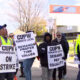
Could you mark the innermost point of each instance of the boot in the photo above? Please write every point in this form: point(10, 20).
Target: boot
point(54, 78)
point(22, 74)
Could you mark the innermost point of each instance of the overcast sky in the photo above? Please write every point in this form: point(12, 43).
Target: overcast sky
point(64, 2)
point(5, 8)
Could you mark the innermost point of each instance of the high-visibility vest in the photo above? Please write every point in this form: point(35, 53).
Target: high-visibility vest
point(77, 43)
point(11, 40)
point(3, 42)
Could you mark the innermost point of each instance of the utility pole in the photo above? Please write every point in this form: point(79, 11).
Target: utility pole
point(54, 29)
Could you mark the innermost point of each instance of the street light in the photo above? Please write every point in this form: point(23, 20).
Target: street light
point(51, 24)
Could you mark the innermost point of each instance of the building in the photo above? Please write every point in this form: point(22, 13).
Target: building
point(67, 19)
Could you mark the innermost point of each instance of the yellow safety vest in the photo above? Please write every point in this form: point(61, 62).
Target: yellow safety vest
point(9, 42)
point(77, 43)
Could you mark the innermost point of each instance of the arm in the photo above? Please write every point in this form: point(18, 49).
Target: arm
point(78, 55)
point(41, 52)
point(66, 49)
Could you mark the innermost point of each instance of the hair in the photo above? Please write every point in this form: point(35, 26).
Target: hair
point(58, 32)
point(11, 34)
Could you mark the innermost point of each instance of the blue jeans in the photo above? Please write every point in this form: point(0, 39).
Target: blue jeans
point(27, 64)
point(78, 76)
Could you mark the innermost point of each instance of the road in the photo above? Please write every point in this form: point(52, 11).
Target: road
point(36, 71)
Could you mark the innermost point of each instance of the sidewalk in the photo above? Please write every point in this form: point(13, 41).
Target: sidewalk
point(36, 71)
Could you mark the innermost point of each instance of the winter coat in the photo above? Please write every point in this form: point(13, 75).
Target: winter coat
point(42, 50)
point(64, 44)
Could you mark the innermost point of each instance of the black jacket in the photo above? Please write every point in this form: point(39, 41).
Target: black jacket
point(42, 50)
point(64, 44)
point(78, 50)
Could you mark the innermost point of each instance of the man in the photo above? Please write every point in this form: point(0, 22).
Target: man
point(27, 64)
point(46, 73)
point(77, 50)
point(61, 40)
point(11, 36)
point(4, 40)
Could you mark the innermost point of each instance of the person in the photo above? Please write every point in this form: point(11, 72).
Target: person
point(77, 50)
point(42, 51)
point(4, 40)
point(27, 64)
point(11, 37)
point(61, 40)
point(64, 70)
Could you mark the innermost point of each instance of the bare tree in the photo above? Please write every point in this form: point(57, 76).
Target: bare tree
point(29, 14)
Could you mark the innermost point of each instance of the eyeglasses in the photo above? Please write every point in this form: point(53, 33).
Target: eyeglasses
point(58, 35)
point(11, 36)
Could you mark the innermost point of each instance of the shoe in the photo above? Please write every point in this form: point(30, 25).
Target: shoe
point(21, 76)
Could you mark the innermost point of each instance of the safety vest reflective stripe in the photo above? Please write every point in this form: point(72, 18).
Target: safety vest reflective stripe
point(4, 42)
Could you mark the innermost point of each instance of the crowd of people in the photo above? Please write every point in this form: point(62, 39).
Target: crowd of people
point(47, 74)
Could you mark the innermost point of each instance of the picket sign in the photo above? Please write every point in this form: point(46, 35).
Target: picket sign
point(26, 47)
point(7, 59)
point(55, 54)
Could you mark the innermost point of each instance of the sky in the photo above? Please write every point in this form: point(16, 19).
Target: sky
point(66, 19)
point(5, 8)
point(64, 2)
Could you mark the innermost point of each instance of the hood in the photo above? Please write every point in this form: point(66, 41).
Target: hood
point(47, 34)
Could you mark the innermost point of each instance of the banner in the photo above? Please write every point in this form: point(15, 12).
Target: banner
point(55, 54)
point(7, 59)
point(65, 9)
point(26, 47)
point(76, 60)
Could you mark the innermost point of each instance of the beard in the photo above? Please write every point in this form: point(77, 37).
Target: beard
point(58, 39)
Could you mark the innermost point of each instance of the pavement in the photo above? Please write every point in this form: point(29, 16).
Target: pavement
point(72, 70)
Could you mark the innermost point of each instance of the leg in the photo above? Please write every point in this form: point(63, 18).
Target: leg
point(44, 73)
point(64, 69)
point(54, 74)
point(60, 73)
point(78, 76)
point(21, 70)
point(2, 76)
point(16, 71)
point(27, 64)
point(49, 74)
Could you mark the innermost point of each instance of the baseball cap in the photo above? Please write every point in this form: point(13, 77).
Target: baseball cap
point(2, 26)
